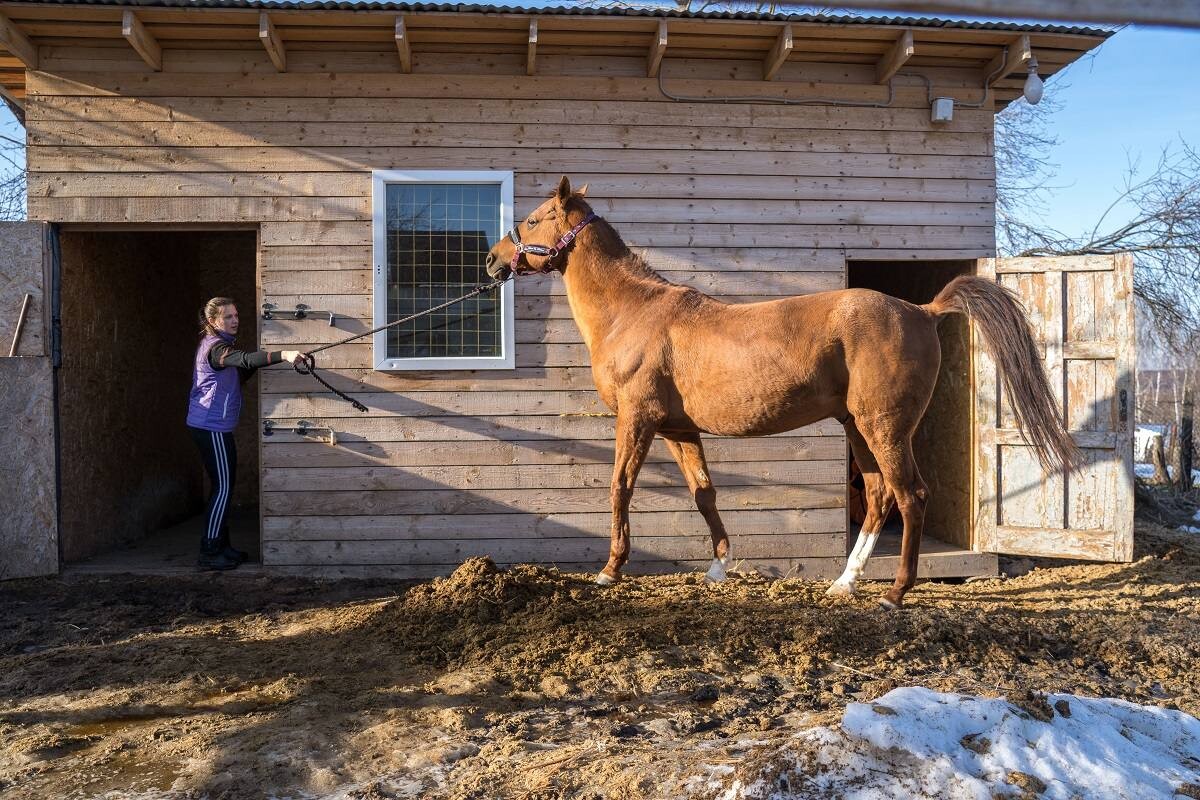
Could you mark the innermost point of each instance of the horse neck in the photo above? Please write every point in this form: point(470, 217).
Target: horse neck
point(603, 279)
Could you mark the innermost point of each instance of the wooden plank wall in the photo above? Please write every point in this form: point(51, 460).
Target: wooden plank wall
point(744, 201)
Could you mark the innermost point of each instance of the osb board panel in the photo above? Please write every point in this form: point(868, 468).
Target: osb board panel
point(22, 272)
point(28, 516)
point(129, 307)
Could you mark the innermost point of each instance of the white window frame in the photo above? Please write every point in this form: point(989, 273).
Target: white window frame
point(380, 179)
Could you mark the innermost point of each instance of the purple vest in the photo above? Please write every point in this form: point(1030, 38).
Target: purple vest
point(216, 399)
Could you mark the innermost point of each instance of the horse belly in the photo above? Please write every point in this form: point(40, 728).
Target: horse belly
point(748, 410)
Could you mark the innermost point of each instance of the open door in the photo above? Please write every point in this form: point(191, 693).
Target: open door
point(1081, 310)
point(28, 500)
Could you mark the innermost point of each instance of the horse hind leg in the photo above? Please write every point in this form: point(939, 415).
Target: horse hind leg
point(879, 500)
point(689, 454)
point(893, 451)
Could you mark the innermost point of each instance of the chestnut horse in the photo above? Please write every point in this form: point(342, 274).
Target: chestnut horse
point(673, 362)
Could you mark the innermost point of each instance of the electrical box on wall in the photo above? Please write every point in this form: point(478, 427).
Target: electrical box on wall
point(943, 109)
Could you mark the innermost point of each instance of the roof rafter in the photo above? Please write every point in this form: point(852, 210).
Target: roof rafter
point(140, 39)
point(17, 105)
point(779, 53)
point(895, 58)
point(403, 48)
point(657, 48)
point(16, 42)
point(269, 36)
point(531, 51)
point(1005, 63)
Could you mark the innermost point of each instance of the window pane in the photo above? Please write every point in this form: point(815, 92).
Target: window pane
point(437, 238)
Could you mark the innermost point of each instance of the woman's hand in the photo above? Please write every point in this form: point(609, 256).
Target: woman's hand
point(294, 357)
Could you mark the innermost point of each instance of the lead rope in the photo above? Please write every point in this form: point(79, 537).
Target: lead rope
point(309, 366)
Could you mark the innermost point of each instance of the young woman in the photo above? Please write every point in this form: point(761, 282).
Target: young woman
point(214, 406)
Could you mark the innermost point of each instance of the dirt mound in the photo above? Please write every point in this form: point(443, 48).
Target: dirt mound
point(532, 682)
point(482, 589)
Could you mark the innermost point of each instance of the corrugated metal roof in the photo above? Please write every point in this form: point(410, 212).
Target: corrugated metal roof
point(584, 11)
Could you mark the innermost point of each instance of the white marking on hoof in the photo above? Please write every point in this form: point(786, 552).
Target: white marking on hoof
point(840, 589)
point(888, 605)
point(603, 579)
point(716, 572)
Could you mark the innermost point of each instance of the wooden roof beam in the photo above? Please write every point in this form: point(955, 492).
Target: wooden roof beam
point(531, 55)
point(140, 39)
point(779, 53)
point(895, 58)
point(271, 41)
point(657, 48)
point(18, 107)
point(1000, 67)
point(16, 42)
point(402, 46)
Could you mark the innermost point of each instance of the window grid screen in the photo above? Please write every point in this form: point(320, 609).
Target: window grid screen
point(438, 235)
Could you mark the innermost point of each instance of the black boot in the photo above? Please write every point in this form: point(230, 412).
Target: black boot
point(214, 557)
point(223, 542)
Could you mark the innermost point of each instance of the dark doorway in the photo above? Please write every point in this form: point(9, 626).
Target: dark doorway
point(129, 306)
point(943, 441)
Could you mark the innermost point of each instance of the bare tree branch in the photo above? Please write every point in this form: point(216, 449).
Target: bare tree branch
point(12, 174)
point(1162, 231)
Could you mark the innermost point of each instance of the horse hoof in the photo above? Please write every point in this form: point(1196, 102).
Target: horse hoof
point(840, 590)
point(888, 605)
point(716, 573)
point(604, 579)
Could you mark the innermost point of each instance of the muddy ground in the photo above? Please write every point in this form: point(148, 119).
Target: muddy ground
point(529, 683)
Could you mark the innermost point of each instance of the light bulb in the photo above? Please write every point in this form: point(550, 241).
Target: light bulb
point(1033, 84)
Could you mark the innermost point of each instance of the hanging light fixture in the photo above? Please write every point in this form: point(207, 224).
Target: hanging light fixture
point(1033, 83)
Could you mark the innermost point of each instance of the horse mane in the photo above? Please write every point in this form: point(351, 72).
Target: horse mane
point(614, 247)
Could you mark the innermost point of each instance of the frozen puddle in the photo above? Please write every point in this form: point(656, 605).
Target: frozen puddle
point(914, 742)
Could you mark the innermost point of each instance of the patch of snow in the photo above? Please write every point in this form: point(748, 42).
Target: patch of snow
point(915, 742)
point(1189, 529)
point(1143, 439)
point(1144, 470)
point(1196, 516)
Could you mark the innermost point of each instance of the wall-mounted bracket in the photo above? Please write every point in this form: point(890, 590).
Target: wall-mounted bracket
point(301, 311)
point(301, 428)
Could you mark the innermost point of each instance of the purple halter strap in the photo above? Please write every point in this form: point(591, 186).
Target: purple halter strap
point(550, 253)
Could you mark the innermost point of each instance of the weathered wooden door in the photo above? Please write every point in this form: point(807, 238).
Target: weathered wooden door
point(28, 506)
point(1081, 309)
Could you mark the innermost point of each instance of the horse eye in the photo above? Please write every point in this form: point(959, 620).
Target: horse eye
point(531, 222)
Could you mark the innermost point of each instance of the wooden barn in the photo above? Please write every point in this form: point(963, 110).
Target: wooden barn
point(335, 167)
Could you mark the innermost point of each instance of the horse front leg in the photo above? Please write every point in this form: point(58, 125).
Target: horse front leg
point(689, 454)
point(634, 435)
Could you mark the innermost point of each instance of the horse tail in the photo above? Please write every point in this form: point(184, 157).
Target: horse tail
point(1009, 341)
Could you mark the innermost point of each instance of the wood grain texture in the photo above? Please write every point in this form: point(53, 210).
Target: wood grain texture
point(746, 202)
point(1082, 315)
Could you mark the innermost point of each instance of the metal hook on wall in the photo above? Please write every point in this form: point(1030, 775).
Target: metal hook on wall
point(302, 428)
point(271, 311)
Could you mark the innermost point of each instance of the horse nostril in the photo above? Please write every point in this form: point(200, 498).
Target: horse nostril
point(490, 260)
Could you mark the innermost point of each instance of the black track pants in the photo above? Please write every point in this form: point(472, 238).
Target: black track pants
point(220, 459)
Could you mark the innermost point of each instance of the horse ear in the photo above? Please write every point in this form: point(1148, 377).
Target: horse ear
point(582, 192)
point(564, 189)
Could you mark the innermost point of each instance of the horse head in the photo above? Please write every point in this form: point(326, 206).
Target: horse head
point(537, 243)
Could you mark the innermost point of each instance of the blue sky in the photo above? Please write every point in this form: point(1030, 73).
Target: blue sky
point(1138, 94)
